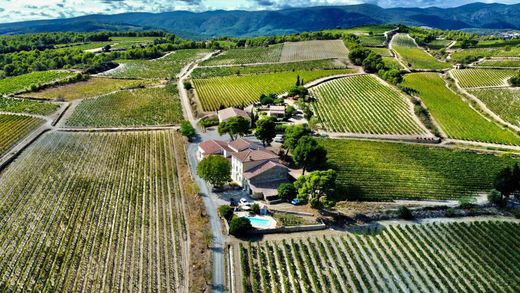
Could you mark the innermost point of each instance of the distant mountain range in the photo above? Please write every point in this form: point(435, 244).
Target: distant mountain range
point(254, 23)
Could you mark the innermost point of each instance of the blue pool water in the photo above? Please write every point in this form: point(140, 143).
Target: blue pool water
point(258, 222)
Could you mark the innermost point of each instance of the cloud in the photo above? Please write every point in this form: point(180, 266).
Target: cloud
point(264, 2)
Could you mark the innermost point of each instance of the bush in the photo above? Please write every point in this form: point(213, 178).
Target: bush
point(239, 226)
point(255, 208)
point(187, 130)
point(495, 197)
point(226, 212)
point(467, 202)
point(404, 213)
point(286, 191)
point(450, 212)
point(516, 213)
point(187, 85)
point(209, 121)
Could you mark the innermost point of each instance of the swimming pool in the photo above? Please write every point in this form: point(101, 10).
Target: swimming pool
point(259, 222)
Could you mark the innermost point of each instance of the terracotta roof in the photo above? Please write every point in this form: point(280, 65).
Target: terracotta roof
point(240, 144)
point(213, 146)
point(260, 169)
point(227, 113)
point(255, 155)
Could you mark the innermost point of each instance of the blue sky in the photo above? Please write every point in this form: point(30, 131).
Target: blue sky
point(19, 10)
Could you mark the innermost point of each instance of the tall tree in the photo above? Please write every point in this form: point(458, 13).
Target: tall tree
point(265, 130)
point(292, 135)
point(234, 126)
point(317, 187)
point(215, 169)
point(308, 154)
point(504, 182)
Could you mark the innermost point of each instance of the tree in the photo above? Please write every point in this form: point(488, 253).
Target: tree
point(267, 99)
point(373, 63)
point(292, 135)
point(317, 187)
point(239, 226)
point(265, 130)
point(358, 54)
point(215, 169)
point(255, 208)
point(234, 126)
point(515, 178)
point(308, 154)
point(226, 212)
point(504, 182)
point(286, 191)
point(187, 130)
point(289, 112)
point(299, 91)
point(495, 197)
point(298, 80)
point(515, 80)
point(107, 48)
point(404, 213)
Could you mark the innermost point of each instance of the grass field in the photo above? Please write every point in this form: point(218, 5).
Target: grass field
point(383, 170)
point(13, 128)
point(363, 104)
point(93, 212)
point(206, 72)
point(472, 78)
point(438, 44)
point(415, 57)
point(14, 105)
point(504, 102)
point(372, 41)
point(500, 63)
point(313, 50)
point(24, 82)
point(456, 117)
point(384, 52)
point(246, 56)
point(445, 257)
point(243, 90)
point(140, 107)
point(163, 68)
point(92, 87)
point(391, 62)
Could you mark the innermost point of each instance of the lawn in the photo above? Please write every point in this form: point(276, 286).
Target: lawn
point(313, 50)
point(140, 107)
point(363, 104)
point(455, 116)
point(446, 257)
point(25, 82)
point(241, 91)
point(14, 128)
point(15, 105)
point(163, 68)
point(93, 212)
point(472, 78)
point(372, 170)
point(247, 56)
point(92, 87)
point(415, 57)
point(505, 102)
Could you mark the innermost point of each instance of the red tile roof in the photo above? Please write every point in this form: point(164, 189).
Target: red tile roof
point(255, 155)
point(241, 144)
point(211, 147)
point(227, 113)
point(262, 168)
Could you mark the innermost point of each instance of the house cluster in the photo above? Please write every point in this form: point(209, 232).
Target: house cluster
point(256, 169)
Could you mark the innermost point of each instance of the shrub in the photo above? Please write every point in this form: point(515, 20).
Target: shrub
point(404, 213)
point(255, 208)
point(450, 212)
point(286, 191)
point(516, 213)
point(467, 202)
point(187, 85)
point(495, 197)
point(187, 130)
point(239, 226)
point(226, 212)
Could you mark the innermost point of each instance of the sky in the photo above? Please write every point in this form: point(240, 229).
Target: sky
point(21, 10)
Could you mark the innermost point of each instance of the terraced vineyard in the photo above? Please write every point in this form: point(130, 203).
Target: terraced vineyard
point(163, 68)
point(500, 63)
point(24, 82)
point(93, 212)
point(449, 257)
point(373, 41)
point(384, 52)
point(415, 57)
point(243, 90)
point(456, 118)
point(13, 128)
point(363, 104)
point(141, 107)
point(438, 44)
point(472, 78)
point(94, 86)
point(313, 50)
point(15, 105)
point(461, 56)
point(247, 56)
point(505, 102)
point(382, 171)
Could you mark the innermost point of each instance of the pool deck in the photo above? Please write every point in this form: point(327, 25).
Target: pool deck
point(272, 222)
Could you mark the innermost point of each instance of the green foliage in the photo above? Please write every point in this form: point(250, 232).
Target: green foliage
point(27, 106)
point(292, 135)
point(515, 80)
point(286, 191)
point(358, 54)
point(209, 121)
point(215, 169)
point(373, 63)
point(290, 111)
point(516, 213)
point(267, 99)
point(316, 188)
point(226, 212)
point(32, 81)
point(471, 77)
point(495, 196)
point(187, 130)
point(308, 154)
point(239, 226)
point(467, 202)
point(415, 57)
point(235, 126)
point(246, 56)
point(507, 180)
point(266, 130)
point(288, 220)
point(13, 128)
point(298, 91)
point(404, 213)
point(255, 208)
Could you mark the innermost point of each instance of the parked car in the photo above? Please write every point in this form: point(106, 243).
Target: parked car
point(244, 201)
point(295, 201)
point(279, 138)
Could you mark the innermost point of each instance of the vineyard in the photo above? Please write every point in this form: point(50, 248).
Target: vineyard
point(505, 102)
point(93, 212)
point(25, 82)
point(243, 90)
point(438, 44)
point(313, 50)
point(363, 104)
point(461, 56)
point(214, 71)
point(382, 171)
point(456, 118)
point(92, 87)
point(141, 107)
point(378, 29)
point(373, 41)
point(384, 52)
point(15, 105)
point(445, 257)
point(472, 78)
point(163, 68)
point(414, 56)
point(500, 63)
point(247, 56)
point(13, 128)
